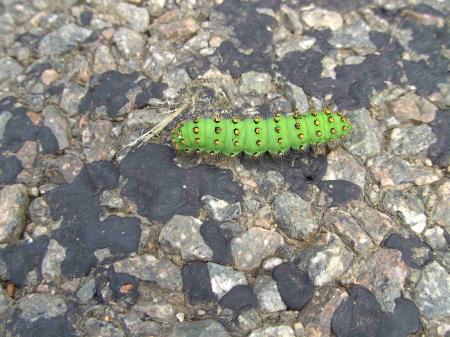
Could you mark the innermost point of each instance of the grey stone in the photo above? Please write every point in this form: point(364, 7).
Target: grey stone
point(373, 222)
point(97, 327)
point(315, 317)
point(406, 207)
point(51, 264)
point(103, 60)
point(148, 268)
point(224, 278)
point(383, 273)
point(294, 216)
point(364, 141)
point(35, 306)
point(343, 166)
point(144, 118)
point(157, 310)
point(130, 43)
point(412, 141)
point(13, 212)
point(9, 69)
point(4, 118)
point(4, 302)
point(249, 320)
point(356, 37)
point(253, 246)
point(294, 43)
point(71, 97)
point(441, 209)
point(255, 83)
point(86, 292)
point(274, 331)
point(54, 119)
point(269, 184)
point(156, 63)
point(432, 293)
point(220, 210)
point(348, 230)
point(134, 17)
point(156, 7)
point(435, 237)
point(413, 108)
point(97, 141)
point(326, 260)
point(68, 166)
point(203, 328)
point(39, 212)
point(182, 235)
point(391, 170)
point(323, 18)
point(137, 328)
point(297, 96)
point(266, 291)
point(112, 199)
point(176, 78)
point(63, 39)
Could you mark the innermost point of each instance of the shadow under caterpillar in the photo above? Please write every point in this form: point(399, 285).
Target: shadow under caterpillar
point(255, 136)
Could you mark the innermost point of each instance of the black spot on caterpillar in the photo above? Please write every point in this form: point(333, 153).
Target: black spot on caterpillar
point(256, 136)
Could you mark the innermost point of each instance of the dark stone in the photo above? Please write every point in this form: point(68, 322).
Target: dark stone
point(197, 282)
point(86, 18)
point(19, 128)
point(110, 90)
point(340, 191)
point(360, 315)
point(52, 327)
point(197, 66)
point(22, 257)
point(340, 6)
point(299, 169)
point(295, 286)
point(252, 28)
point(150, 90)
point(407, 246)
point(55, 90)
point(155, 183)
point(404, 321)
point(426, 75)
point(48, 140)
point(304, 69)
point(219, 240)
point(237, 63)
point(439, 152)
point(31, 41)
point(239, 298)
point(355, 83)
point(118, 280)
point(427, 40)
point(81, 231)
point(10, 167)
point(124, 287)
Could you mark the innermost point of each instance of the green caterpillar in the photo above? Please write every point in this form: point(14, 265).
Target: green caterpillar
point(256, 136)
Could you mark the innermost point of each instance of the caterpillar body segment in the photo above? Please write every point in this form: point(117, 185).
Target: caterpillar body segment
point(255, 136)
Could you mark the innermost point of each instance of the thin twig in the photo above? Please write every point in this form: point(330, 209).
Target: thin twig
point(145, 138)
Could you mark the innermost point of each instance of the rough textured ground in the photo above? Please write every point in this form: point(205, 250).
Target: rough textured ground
point(100, 239)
